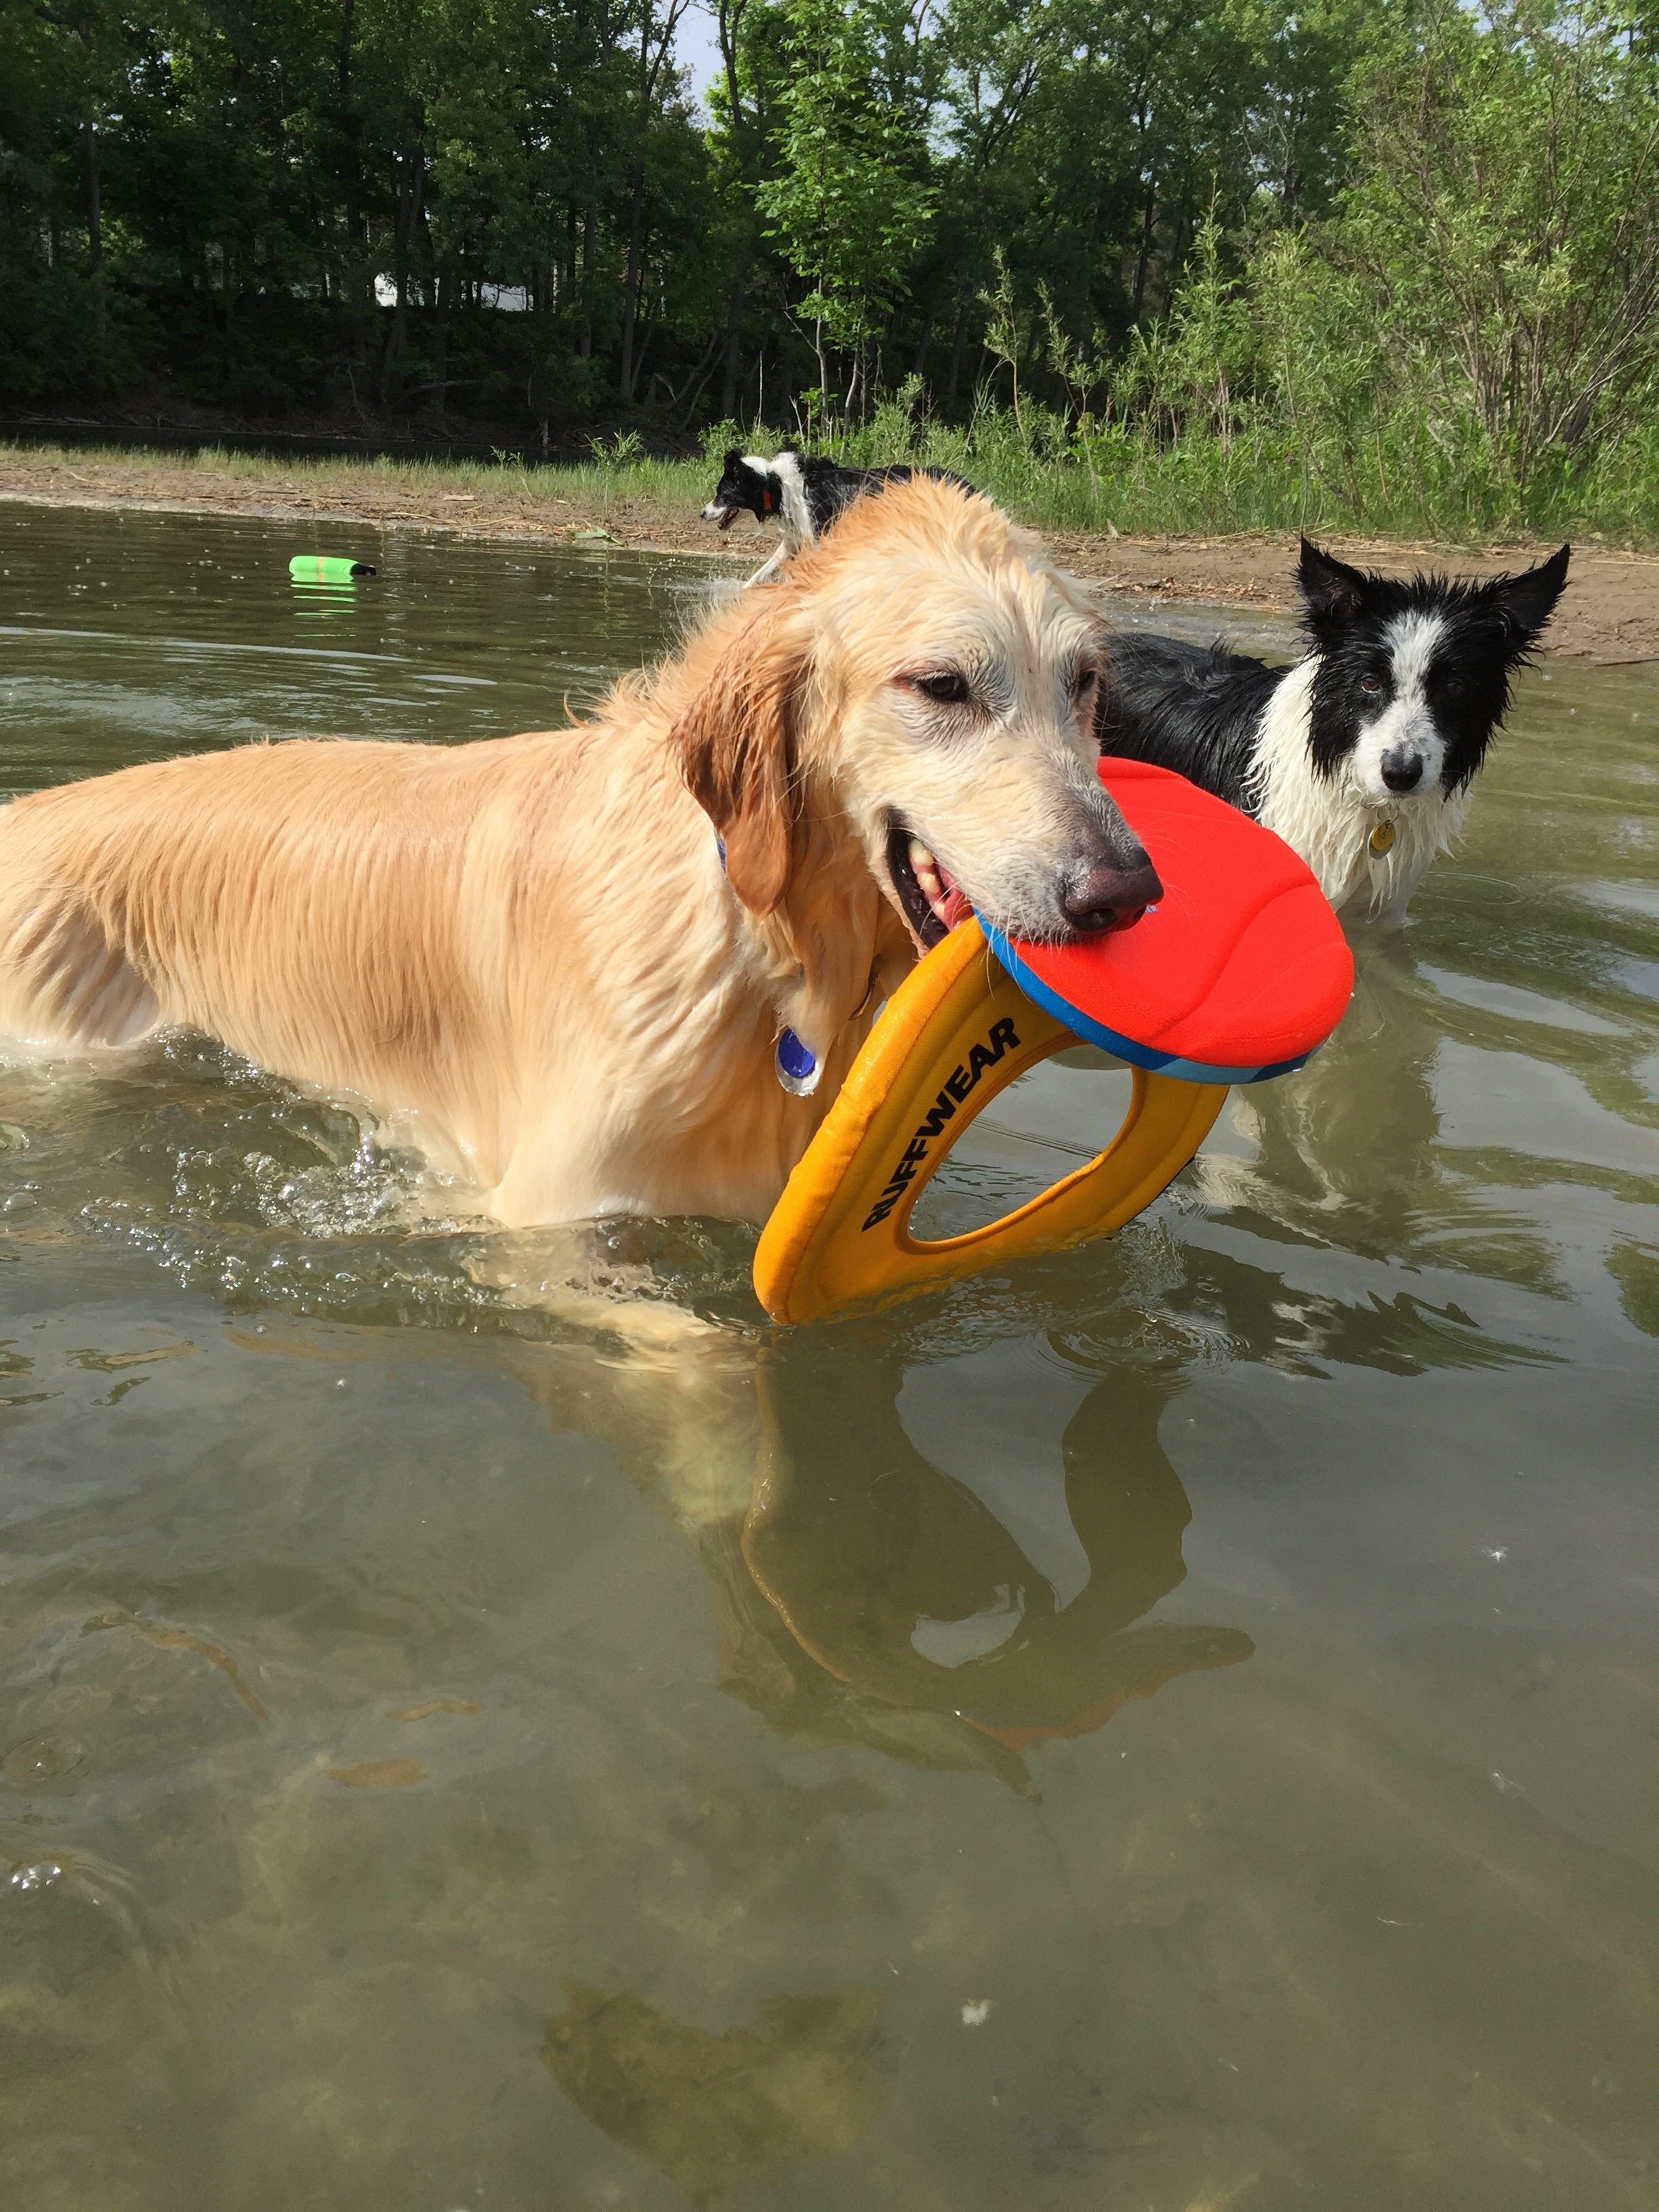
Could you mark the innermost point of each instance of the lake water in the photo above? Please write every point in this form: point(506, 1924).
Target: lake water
point(1177, 1728)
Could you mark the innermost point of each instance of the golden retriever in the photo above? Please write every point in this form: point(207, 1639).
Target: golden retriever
point(564, 960)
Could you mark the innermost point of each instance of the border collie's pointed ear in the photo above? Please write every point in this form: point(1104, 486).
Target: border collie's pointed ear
point(733, 455)
point(1333, 593)
point(1526, 602)
point(736, 743)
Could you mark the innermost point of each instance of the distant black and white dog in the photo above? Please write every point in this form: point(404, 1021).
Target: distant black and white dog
point(802, 493)
point(1361, 755)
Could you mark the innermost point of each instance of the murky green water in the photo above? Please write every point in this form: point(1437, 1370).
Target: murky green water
point(1179, 1729)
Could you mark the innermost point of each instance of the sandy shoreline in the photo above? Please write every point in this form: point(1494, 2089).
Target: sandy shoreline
point(1610, 614)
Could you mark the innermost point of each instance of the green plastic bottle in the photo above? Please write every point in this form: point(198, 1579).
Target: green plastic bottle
point(326, 569)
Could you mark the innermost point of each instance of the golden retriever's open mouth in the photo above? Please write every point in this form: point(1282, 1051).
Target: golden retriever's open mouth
point(933, 900)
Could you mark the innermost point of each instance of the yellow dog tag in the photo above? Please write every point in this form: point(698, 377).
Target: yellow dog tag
point(956, 1032)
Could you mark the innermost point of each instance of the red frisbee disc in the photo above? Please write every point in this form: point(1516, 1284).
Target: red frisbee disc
point(1238, 973)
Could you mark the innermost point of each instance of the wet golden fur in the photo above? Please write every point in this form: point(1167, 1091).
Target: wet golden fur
point(524, 948)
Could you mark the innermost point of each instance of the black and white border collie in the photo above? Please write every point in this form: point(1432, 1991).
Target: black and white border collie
point(1361, 755)
point(802, 493)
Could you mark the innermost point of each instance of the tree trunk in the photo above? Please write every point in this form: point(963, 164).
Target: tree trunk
point(412, 171)
point(357, 323)
point(94, 197)
point(700, 376)
point(956, 355)
point(733, 353)
point(1144, 261)
point(1178, 258)
point(439, 340)
point(728, 18)
point(95, 209)
point(651, 329)
point(631, 286)
point(584, 340)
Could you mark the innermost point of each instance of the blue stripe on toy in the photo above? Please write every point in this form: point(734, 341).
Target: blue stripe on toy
point(1110, 1040)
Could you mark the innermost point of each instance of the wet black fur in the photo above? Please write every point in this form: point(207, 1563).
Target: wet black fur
point(1195, 708)
point(1199, 710)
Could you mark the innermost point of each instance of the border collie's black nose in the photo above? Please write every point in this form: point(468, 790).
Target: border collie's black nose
point(1104, 897)
point(1402, 768)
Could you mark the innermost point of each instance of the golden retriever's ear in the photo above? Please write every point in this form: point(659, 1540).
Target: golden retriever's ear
point(737, 753)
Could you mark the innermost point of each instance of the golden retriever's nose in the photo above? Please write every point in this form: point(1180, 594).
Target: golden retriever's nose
point(1104, 896)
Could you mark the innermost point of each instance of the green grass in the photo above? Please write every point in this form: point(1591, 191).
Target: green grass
point(1402, 482)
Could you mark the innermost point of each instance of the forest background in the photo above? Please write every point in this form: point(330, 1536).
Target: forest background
point(1169, 264)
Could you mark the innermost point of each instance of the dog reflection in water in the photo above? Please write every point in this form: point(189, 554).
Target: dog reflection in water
point(864, 1594)
point(869, 1568)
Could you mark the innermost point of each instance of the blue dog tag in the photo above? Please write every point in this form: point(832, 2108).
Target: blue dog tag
point(797, 1070)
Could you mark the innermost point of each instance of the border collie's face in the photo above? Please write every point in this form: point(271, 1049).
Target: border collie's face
point(747, 484)
point(1412, 678)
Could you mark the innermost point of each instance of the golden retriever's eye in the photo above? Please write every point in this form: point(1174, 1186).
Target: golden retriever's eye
point(946, 685)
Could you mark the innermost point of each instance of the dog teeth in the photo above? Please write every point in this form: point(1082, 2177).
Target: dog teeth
point(938, 886)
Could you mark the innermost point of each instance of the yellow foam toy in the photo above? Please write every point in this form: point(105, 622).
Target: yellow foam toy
point(956, 1032)
point(1235, 975)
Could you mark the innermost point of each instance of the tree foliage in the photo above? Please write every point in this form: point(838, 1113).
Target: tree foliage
point(1369, 245)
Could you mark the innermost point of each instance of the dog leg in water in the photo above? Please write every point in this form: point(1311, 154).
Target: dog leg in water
point(779, 554)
